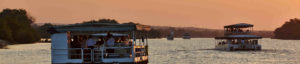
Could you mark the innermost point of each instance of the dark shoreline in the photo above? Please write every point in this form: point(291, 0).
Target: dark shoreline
point(285, 38)
point(3, 45)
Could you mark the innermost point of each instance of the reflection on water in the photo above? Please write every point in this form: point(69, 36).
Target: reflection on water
point(201, 51)
point(179, 51)
point(38, 53)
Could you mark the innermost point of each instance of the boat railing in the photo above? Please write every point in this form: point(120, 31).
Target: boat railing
point(96, 54)
point(99, 53)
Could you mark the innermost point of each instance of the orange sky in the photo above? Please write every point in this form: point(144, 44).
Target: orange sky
point(264, 14)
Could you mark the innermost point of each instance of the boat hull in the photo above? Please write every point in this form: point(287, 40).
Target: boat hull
point(233, 47)
point(170, 38)
point(144, 62)
point(186, 37)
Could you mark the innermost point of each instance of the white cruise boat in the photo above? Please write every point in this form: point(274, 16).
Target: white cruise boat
point(69, 47)
point(237, 37)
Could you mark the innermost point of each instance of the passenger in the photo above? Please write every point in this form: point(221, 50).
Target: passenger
point(243, 41)
point(240, 30)
point(91, 42)
point(86, 40)
point(74, 43)
point(111, 40)
point(123, 51)
point(83, 41)
point(234, 30)
point(118, 41)
point(130, 43)
point(125, 41)
point(101, 42)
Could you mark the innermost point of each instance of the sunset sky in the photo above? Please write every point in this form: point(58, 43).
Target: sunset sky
point(264, 14)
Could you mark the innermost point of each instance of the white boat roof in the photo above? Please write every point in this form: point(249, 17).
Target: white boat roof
point(99, 27)
point(105, 34)
point(239, 37)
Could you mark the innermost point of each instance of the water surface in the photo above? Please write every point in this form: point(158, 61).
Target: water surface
point(178, 51)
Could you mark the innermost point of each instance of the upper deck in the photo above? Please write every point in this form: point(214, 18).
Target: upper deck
point(238, 29)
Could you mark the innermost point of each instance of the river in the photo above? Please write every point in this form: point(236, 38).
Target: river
point(178, 51)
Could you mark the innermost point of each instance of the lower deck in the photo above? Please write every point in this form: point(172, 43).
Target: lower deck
point(100, 55)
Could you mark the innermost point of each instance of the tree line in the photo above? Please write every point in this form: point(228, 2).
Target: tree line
point(44, 34)
point(17, 26)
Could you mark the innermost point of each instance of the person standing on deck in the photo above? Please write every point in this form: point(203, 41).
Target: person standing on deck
point(111, 40)
point(101, 42)
point(243, 41)
point(110, 43)
point(125, 41)
point(91, 42)
point(83, 41)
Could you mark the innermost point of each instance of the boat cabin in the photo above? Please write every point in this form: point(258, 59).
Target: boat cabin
point(114, 43)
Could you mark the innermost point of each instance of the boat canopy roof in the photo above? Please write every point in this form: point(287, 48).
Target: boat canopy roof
point(99, 27)
point(239, 37)
point(240, 25)
point(114, 34)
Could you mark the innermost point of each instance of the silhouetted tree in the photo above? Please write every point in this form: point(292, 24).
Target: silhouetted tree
point(109, 21)
point(289, 30)
point(130, 23)
point(43, 30)
point(16, 26)
point(6, 32)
